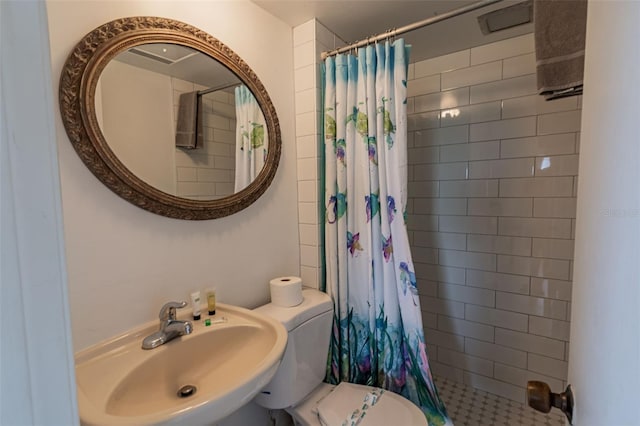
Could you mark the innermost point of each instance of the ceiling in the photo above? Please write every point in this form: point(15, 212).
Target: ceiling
point(354, 20)
point(179, 61)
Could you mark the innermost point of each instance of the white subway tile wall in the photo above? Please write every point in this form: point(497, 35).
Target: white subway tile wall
point(310, 40)
point(208, 172)
point(491, 213)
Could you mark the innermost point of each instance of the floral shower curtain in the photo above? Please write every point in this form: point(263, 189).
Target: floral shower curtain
point(251, 138)
point(377, 338)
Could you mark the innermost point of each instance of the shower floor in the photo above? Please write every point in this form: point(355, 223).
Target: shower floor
point(472, 407)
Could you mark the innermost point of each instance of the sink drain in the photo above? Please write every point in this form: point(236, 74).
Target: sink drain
point(187, 391)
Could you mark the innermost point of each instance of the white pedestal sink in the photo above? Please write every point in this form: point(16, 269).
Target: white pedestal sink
point(228, 363)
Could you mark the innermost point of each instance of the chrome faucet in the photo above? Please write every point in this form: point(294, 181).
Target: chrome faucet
point(170, 327)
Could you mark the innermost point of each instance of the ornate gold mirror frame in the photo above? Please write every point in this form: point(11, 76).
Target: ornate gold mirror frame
point(77, 105)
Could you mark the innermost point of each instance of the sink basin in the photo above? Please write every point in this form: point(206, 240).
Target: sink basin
point(228, 363)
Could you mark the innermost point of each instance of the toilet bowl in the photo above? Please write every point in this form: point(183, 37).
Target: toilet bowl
point(298, 384)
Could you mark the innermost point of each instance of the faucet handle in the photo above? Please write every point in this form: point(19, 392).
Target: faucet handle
point(168, 310)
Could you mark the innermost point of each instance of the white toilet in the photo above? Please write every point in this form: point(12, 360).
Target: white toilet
point(297, 386)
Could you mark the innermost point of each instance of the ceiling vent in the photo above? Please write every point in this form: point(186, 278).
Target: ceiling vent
point(165, 53)
point(508, 17)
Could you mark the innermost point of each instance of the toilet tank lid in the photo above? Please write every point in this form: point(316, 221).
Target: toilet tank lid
point(313, 304)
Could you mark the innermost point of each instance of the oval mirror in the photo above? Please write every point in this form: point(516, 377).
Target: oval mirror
point(169, 118)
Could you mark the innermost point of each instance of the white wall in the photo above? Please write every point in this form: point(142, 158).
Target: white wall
point(37, 384)
point(124, 262)
point(604, 366)
point(137, 122)
point(491, 207)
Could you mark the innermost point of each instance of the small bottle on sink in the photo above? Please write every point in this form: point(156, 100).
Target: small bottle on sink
point(195, 304)
point(211, 300)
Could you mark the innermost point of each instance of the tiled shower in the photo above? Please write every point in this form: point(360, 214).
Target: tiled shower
point(208, 173)
point(491, 211)
point(492, 184)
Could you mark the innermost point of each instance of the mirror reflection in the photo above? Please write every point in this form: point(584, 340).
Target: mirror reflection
point(181, 121)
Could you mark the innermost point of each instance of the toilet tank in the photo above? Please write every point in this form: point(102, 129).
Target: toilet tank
point(304, 362)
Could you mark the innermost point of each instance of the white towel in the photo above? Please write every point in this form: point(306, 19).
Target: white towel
point(348, 405)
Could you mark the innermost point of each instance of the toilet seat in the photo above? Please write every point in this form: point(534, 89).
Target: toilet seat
point(331, 405)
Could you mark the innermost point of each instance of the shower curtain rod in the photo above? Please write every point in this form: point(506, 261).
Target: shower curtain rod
point(214, 89)
point(411, 27)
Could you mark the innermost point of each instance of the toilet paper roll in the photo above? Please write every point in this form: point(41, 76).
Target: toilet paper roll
point(286, 291)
